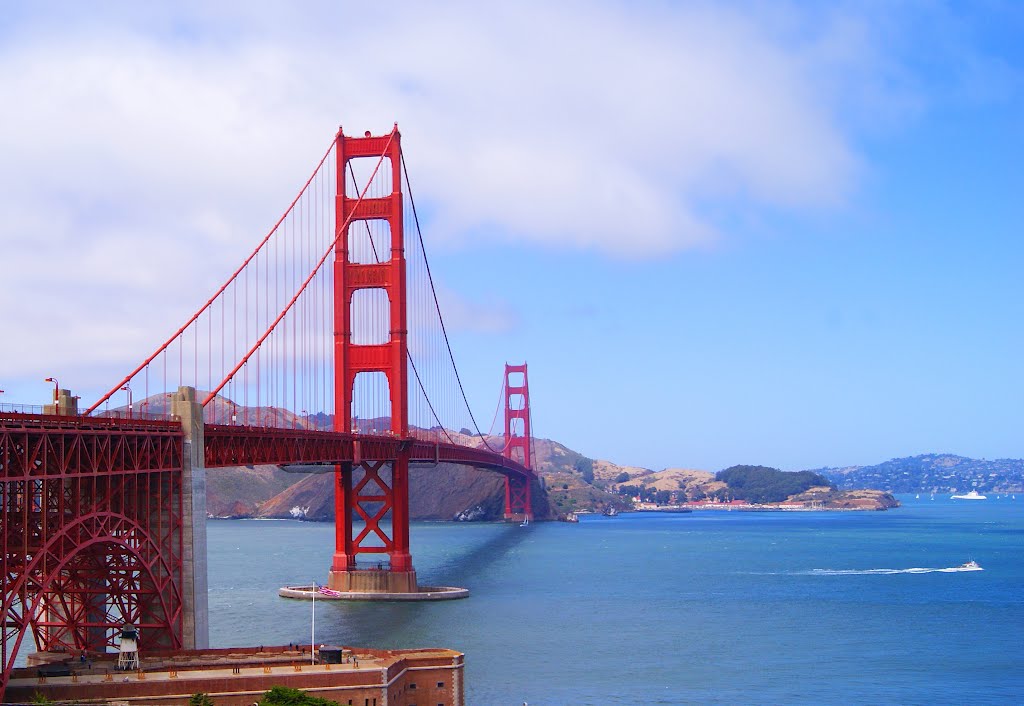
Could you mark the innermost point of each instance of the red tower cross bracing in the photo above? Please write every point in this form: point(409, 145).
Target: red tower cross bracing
point(378, 492)
point(517, 441)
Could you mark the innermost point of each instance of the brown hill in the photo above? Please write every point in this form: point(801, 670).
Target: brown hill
point(435, 493)
point(694, 483)
point(570, 485)
point(240, 491)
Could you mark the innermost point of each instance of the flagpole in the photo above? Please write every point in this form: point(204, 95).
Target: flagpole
point(312, 630)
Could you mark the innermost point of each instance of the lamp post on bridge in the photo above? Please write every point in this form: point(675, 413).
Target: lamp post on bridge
point(56, 394)
point(128, 388)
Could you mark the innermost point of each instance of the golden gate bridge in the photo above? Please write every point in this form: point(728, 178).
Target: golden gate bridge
point(327, 345)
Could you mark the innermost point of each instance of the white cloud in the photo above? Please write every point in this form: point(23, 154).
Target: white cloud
point(462, 314)
point(146, 148)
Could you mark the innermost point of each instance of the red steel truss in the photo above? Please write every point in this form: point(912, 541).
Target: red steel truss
point(92, 532)
point(517, 441)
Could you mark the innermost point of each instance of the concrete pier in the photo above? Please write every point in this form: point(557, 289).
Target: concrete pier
point(423, 593)
point(193, 487)
point(373, 581)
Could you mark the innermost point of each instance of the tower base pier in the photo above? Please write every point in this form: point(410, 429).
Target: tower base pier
point(369, 590)
point(373, 581)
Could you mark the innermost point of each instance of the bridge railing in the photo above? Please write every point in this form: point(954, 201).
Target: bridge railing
point(123, 414)
point(8, 408)
point(20, 409)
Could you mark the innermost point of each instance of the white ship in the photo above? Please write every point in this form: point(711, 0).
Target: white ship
point(973, 495)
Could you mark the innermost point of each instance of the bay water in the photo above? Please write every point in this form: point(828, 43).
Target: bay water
point(710, 607)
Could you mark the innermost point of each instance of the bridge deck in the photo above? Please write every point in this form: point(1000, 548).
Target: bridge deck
point(228, 445)
point(90, 444)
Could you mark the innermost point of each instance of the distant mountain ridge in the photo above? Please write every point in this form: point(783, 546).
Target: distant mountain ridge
point(932, 473)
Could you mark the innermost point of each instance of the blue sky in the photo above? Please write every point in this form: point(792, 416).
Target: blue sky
point(775, 233)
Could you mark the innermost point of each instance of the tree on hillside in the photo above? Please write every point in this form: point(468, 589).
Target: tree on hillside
point(585, 466)
point(761, 484)
point(622, 477)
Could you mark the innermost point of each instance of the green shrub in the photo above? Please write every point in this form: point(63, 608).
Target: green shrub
point(283, 696)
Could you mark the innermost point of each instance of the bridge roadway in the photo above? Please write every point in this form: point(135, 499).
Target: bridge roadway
point(36, 444)
point(228, 445)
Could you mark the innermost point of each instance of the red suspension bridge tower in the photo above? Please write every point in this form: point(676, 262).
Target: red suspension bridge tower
point(380, 490)
point(518, 445)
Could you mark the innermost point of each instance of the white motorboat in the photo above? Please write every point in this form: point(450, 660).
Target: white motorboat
point(973, 495)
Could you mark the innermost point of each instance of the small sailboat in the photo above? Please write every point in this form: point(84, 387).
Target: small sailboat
point(917, 497)
point(526, 521)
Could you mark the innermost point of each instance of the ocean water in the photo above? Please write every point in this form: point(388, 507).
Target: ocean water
point(708, 607)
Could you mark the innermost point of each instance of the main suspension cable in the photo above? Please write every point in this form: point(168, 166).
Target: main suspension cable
point(433, 290)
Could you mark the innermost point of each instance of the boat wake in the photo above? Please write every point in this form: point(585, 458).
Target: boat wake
point(872, 572)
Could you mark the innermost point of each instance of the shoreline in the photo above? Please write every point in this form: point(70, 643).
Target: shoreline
point(728, 507)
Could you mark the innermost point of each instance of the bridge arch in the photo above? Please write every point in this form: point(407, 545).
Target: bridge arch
point(57, 593)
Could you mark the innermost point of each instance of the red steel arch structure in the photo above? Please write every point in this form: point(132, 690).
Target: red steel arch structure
point(92, 532)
